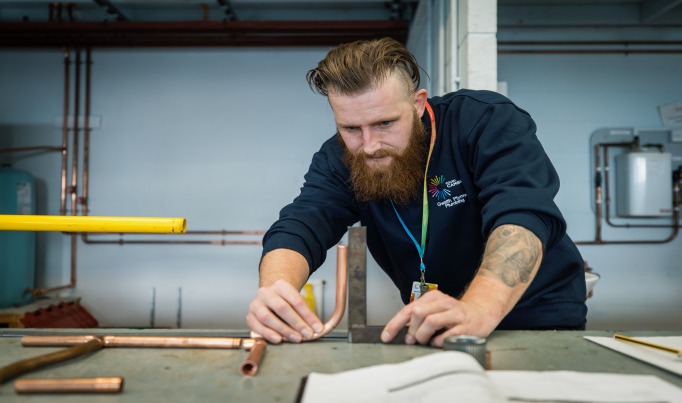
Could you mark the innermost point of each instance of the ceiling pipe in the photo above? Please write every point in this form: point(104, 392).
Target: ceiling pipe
point(589, 47)
point(196, 34)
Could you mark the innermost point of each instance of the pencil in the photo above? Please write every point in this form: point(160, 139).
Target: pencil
point(649, 344)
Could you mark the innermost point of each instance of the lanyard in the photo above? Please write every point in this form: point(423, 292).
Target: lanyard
point(425, 203)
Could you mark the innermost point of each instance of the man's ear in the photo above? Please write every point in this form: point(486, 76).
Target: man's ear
point(420, 97)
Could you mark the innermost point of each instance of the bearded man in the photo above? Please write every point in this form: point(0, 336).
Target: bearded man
point(456, 193)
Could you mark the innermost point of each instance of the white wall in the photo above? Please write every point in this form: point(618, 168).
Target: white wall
point(223, 138)
point(571, 96)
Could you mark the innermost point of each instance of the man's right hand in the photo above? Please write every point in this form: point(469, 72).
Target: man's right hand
point(279, 312)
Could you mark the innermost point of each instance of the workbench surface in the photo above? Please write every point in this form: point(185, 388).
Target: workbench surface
point(184, 375)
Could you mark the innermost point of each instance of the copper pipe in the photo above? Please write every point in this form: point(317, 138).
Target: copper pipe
point(341, 289)
point(20, 367)
point(249, 366)
point(76, 134)
point(172, 242)
point(56, 341)
point(86, 134)
point(172, 342)
point(69, 385)
point(32, 148)
point(597, 192)
point(134, 341)
point(65, 128)
point(87, 238)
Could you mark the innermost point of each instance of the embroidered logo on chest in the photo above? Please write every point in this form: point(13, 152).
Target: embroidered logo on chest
point(441, 189)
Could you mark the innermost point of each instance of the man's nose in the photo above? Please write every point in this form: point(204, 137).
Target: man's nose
point(370, 142)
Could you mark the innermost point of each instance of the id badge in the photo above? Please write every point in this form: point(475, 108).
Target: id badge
point(417, 289)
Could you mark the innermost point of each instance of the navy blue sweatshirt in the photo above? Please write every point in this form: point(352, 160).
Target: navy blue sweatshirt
point(490, 170)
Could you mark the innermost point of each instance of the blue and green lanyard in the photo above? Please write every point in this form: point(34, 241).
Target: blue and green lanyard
point(421, 248)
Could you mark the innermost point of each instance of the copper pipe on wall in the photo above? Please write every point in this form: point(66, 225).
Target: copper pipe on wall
point(86, 133)
point(249, 366)
point(69, 385)
point(73, 190)
point(33, 148)
point(65, 128)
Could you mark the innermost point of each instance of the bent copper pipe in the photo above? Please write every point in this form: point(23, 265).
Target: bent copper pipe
point(21, 367)
point(341, 286)
point(69, 385)
point(341, 289)
point(249, 366)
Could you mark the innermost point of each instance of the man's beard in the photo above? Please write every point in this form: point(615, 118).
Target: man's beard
point(399, 181)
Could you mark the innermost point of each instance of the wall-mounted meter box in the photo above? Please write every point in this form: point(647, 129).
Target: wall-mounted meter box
point(644, 184)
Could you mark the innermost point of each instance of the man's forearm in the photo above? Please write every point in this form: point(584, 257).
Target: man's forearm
point(284, 264)
point(511, 259)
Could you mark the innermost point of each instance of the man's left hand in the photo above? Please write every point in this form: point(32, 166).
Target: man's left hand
point(435, 316)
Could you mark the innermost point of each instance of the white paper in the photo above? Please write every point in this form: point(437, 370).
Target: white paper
point(661, 359)
point(451, 376)
point(571, 386)
point(671, 114)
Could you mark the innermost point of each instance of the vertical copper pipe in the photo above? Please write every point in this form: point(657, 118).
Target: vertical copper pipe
point(86, 135)
point(598, 192)
point(65, 127)
point(74, 164)
point(341, 286)
point(250, 365)
point(76, 135)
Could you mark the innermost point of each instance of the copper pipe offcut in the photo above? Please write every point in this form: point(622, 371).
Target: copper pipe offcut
point(256, 349)
point(69, 385)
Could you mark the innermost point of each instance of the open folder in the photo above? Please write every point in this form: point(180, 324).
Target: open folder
point(454, 376)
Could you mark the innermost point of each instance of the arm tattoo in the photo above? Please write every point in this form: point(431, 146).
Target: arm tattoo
point(510, 255)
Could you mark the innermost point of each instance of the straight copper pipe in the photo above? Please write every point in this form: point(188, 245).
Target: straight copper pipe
point(135, 341)
point(69, 385)
point(256, 351)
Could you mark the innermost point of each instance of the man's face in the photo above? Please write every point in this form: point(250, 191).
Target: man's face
point(384, 140)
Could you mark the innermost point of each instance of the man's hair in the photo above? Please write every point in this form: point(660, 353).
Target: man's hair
point(353, 68)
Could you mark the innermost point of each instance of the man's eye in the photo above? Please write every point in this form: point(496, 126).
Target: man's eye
point(385, 123)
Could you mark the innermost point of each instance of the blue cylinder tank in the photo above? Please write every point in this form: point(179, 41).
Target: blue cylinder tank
point(17, 248)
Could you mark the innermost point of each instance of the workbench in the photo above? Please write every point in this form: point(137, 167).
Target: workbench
point(203, 375)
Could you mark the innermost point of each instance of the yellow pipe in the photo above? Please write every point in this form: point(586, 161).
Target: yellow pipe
point(22, 222)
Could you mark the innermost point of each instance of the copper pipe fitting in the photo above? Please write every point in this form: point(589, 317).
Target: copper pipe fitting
point(70, 385)
point(257, 349)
